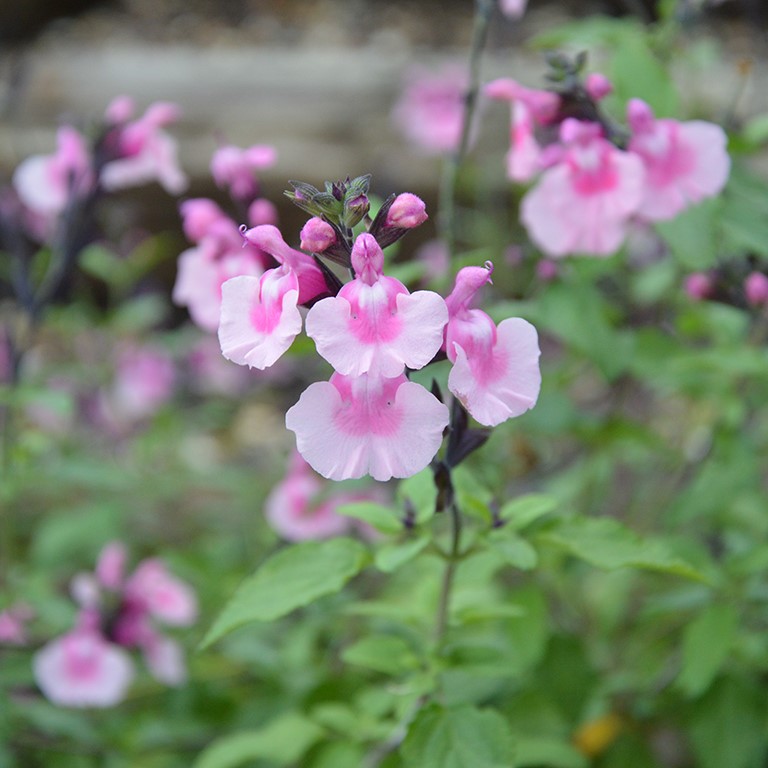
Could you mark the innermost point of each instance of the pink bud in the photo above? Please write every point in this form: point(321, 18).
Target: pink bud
point(198, 216)
point(546, 270)
point(367, 258)
point(698, 286)
point(120, 110)
point(639, 116)
point(317, 235)
point(598, 86)
point(111, 565)
point(513, 9)
point(756, 289)
point(407, 211)
point(262, 211)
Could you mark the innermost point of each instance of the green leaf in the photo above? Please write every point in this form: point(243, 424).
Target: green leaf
point(419, 490)
point(383, 653)
point(515, 550)
point(706, 645)
point(391, 556)
point(383, 518)
point(282, 741)
point(691, 235)
point(522, 511)
point(728, 725)
point(606, 543)
point(539, 751)
point(292, 578)
point(464, 737)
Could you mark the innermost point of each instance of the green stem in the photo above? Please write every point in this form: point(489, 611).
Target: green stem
point(454, 555)
point(448, 181)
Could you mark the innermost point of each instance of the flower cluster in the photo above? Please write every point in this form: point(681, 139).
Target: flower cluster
point(369, 418)
point(128, 152)
point(594, 177)
point(89, 666)
point(219, 253)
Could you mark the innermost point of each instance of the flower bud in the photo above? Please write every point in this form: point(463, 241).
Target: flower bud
point(355, 209)
point(598, 86)
point(756, 289)
point(406, 212)
point(317, 235)
point(698, 286)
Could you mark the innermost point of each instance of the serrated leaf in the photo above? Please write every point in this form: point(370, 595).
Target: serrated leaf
point(383, 518)
point(291, 579)
point(391, 556)
point(706, 645)
point(463, 737)
point(282, 741)
point(382, 653)
point(607, 543)
point(522, 511)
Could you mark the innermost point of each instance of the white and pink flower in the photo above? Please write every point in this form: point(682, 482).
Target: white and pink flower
point(585, 202)
point(374, 325)
point(496, 372)
point(235, 168)
point(685, 162)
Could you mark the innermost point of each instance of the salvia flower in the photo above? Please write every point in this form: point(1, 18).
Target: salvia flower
point(89, 666)
point(496, 372)
point(234, 168)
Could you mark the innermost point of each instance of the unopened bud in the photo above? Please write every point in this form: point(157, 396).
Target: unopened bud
point(355, 209)
point(598, 86)
point(756, 289)
point(406, 212)
point(698, 286)
point(317, 235)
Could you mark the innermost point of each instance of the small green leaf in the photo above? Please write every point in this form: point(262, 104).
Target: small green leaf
point(463, 737)
point(706, 644)
point(383, 653)
point(522, 511)
point(515, 550)
point(292, 578)
point(282, 741)
point(606, 543)
point(384, 519)
point(391, 556)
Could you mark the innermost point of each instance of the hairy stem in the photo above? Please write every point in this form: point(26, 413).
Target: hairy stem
point(447, 216)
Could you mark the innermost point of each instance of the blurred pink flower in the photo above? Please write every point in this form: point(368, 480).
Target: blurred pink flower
point(583, 204)
point(12, 621)
point(46, 183)
point(514, 9)
point(430, 110)
point(82, 669)
point(684, 162)
point(756, 289)
point(235, 168)
point(698, 286)
point(296, 510)
point(164, 597)
point(143, 150)
point(144, 381)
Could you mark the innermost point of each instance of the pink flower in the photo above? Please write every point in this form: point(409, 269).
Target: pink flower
point(531, 110)
point(597, 86)
point(234, 168)
point(496, 369)
point(262, 211)
point(210, 371)
point(144, 152)
point(164, 658)
point(12, 621)
point(584, 203)
point(352, 426)
point(82, 669)
point(202, 218)
point(161, 594)
point(144, 381)
point(430, 110)
point(201, 275)
point(406, 212)
point(45, 183)
point(756, 289)
point(294, 509)
point(110, 567)
point(317, 235)
point(684, 162)
point(259, 317)
point(374, 325)
point(698, 286)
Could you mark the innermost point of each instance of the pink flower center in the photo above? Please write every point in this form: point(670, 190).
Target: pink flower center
point(368, 405)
